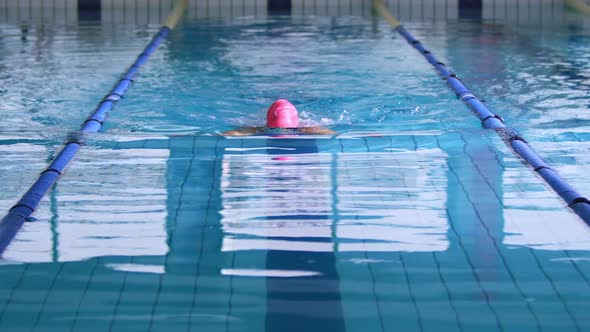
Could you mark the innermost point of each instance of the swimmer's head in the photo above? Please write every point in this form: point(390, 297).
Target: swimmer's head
point(282, 114)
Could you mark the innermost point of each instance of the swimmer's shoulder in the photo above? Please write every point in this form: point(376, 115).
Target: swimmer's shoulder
point(244, 131)
point(317, 130)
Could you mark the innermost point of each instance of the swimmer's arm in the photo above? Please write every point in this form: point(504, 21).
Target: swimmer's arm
point(243, 131)
point(318, 130)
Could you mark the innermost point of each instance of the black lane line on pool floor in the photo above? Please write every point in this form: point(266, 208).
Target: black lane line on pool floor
point(281, 314)
point(519, 146)
point(22, 210)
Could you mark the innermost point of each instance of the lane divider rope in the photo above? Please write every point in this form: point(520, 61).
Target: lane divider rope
point(22, 210)
point(578, 203)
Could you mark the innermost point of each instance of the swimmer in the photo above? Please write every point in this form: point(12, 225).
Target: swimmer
point(281, 119)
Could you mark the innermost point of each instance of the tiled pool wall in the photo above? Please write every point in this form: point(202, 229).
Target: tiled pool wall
point(517, 12)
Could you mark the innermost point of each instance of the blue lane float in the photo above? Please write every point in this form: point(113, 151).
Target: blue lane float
point(578, 203)
point(22, 210)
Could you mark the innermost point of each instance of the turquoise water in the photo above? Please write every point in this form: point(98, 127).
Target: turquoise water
point(413, 218)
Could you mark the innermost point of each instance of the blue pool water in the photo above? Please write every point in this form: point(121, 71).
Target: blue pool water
point(412, 219)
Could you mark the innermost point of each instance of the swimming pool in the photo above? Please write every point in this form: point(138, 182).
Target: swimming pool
point(413, 218)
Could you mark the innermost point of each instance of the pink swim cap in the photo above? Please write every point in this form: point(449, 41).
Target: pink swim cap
point(282, 114)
